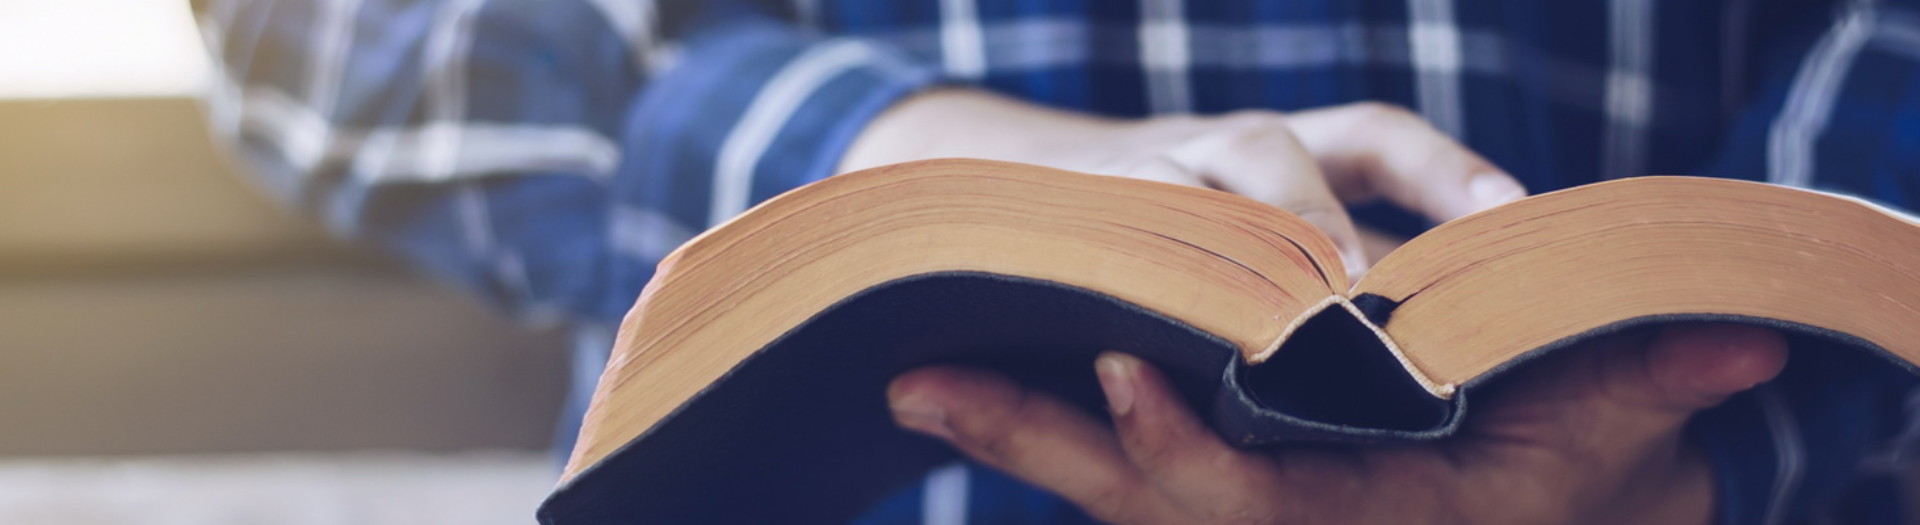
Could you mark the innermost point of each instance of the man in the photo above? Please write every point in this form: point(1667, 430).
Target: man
point(546, 153)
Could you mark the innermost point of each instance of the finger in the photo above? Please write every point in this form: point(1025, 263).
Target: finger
point(1372, 149)
point(1645, 397)
point(1177, 453)
point(1162, 169)
point(1258, 157)
point(1025, 433)
point(1617, 399)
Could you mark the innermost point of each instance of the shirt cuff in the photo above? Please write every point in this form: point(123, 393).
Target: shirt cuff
point(753, 107)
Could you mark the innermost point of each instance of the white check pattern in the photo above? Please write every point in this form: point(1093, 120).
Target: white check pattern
point(548, 154)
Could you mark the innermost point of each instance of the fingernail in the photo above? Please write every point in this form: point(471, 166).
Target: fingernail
point(1728, 359)
point(1116, 378)
point(919, 414)
point(1493, 189)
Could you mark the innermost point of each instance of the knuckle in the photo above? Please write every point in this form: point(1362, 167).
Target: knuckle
point(994, 444)
point(1111, 498)
point(1250, 138)
point(1382, 112)
point(1381, 117)
point(992, 435)
point(1253, 119)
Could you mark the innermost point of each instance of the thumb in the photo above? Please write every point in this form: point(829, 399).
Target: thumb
point(1692, 367)
point(1609, 416)
point(1647, 401)
point(1639, 395)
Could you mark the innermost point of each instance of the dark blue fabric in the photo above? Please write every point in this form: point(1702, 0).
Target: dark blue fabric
point(345, 115)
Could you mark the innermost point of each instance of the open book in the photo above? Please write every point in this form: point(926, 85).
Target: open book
point(748, 383)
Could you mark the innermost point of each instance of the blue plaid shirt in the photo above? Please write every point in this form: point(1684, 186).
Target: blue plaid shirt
point(546, 154)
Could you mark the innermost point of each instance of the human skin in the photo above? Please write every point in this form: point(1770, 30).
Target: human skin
point(1592, 435)
point(1311, 163)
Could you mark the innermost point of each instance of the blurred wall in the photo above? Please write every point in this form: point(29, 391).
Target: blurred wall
point(152, 302)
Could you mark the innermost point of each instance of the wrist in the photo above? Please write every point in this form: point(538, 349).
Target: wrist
point(1691, 502)
point(966, 122)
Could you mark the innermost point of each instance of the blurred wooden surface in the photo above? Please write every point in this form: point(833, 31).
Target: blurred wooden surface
point(293, 488)
point(152, 301)
point(127, 181)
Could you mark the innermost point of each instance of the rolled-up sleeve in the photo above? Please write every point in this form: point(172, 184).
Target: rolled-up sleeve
point(544, 154)
point(751, 107)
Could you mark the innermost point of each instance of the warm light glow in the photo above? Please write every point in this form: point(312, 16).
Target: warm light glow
point(99, 48)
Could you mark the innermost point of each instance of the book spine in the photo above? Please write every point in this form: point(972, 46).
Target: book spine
point(1377, 309)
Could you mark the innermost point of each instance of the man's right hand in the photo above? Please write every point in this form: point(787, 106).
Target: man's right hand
point(1311, 163)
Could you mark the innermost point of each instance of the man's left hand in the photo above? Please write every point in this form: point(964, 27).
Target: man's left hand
point(1589, 436)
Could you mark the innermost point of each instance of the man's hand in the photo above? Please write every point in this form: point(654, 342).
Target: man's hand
point(1310, 163)
point(1589, 436)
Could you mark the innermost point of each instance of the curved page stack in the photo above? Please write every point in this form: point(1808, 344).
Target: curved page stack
point(747, 383)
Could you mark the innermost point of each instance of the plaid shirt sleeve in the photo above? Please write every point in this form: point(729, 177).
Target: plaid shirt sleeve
point(1834, 106)
point(545, 154)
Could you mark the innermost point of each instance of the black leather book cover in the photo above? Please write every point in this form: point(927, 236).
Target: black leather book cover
point(800, 432)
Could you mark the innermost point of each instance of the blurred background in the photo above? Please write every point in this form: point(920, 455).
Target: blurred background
point(174, 348)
